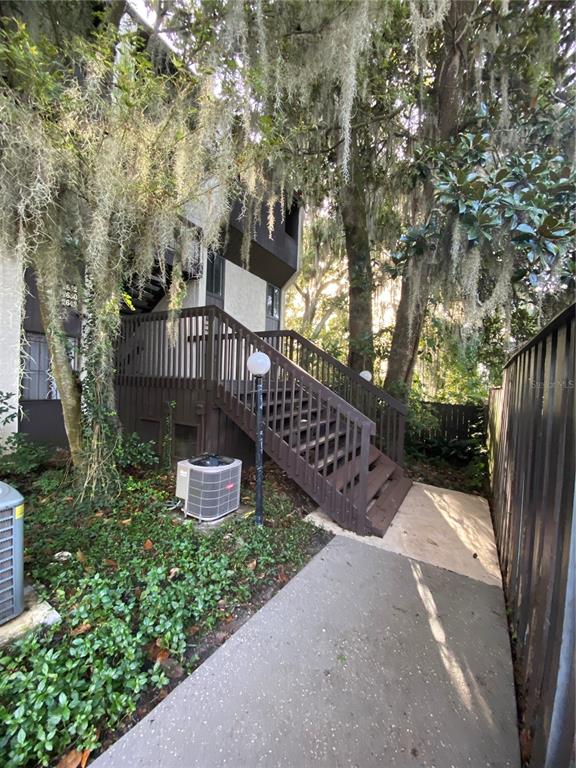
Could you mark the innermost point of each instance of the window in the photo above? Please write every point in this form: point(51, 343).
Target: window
point(215, 278)
point(273, 301)
point(292, 219)
point(37, 382)
point(272, 308)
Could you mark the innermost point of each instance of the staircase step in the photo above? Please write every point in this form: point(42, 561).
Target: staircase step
point(332, 458)
point(344, 474)
point(310, 445)
point(382, 512)
point(275, 399)
point(377, 477)
point(287, 423)
point(374, 454)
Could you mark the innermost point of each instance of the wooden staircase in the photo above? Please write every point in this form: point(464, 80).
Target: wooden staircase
point(387, 482)
point(332, 449)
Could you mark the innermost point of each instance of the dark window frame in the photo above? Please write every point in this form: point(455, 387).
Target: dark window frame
point(273, 301)
point(215, 278)
point(37, 380)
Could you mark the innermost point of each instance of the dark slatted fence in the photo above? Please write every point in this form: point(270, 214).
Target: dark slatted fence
point(455, 422)
point(531, 440)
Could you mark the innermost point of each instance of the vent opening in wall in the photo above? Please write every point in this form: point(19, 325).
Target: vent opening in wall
point(185, 440)
point(209, 486)
point(149, 429)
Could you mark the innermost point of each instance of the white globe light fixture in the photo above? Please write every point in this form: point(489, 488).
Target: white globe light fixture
point(366, 375)
point(258, 364)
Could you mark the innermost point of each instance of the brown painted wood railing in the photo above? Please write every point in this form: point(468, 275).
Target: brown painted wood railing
point(388, 413)
point(310, 431)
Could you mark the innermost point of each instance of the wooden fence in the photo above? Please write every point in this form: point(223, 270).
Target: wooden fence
point(455, 422)
point(531, 442)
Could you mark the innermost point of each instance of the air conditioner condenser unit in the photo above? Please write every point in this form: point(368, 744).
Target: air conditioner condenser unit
point(209, 486)
point(11, 553)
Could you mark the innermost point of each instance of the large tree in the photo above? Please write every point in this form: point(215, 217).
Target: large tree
point(405, 116)
point(104, 136)
point(489, 218)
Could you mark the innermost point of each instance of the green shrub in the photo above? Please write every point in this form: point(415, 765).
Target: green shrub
point(136, 581)
point(8, 413)
point(21, 456)
point(132, 453)
point(49, 481)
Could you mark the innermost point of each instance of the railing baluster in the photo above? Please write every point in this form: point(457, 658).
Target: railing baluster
point(310, 469)
point(283, 416)
point(211, 351)
point(380, 407)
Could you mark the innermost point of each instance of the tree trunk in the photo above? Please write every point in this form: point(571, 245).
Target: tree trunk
point(410, 317)
point(61, 367)
point(353, 211)
point(415, 293)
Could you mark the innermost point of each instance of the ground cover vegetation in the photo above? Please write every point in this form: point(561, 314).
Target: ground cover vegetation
point(137, 590)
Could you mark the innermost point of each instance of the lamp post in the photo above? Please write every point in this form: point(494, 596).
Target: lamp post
point(366, 375)
point(259, 364)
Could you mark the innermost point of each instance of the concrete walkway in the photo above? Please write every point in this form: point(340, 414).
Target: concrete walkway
point(389, 653)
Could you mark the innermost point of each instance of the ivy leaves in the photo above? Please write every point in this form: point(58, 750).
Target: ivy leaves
point(126, 623)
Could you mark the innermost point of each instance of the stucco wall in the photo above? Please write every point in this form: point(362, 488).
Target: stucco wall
point(195, 293)
point(11, 290)
point(245, 297)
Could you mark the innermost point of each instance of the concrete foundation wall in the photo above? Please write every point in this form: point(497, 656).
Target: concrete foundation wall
point(11, 296)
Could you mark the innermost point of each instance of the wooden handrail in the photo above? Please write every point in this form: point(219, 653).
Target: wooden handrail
point(388, 413)
point(310, 429)
point(260, 344)
point(367, 386)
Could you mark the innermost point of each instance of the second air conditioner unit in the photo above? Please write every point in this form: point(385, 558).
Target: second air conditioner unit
point(11, 553)
point(209, 486)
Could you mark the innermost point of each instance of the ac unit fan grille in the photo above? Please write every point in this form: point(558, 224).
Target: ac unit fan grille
point(209, 486)
point(7, 596)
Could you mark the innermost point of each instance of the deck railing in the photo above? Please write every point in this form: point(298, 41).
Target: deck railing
point(309, 429)
point(531, 441)
point(388, 413)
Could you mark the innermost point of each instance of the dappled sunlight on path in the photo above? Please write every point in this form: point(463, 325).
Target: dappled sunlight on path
point(446, 528)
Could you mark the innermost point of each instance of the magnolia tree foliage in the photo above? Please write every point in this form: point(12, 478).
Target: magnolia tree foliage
point(511, 231)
